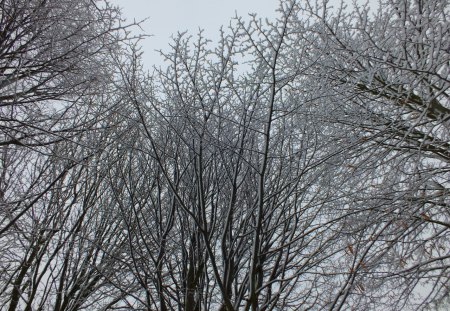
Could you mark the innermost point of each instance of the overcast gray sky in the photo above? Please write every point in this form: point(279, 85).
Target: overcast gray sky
point(167, 17)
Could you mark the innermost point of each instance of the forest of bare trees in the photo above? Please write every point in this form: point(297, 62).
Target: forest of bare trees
point(299, 163)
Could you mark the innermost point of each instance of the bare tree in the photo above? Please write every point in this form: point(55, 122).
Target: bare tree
point(326, 163)
point(56, 56)
point(385, 78)
point(296, 164)
point(59, 114)
point(240, 168)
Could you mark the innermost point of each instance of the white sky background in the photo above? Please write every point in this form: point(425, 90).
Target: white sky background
point(168, 17)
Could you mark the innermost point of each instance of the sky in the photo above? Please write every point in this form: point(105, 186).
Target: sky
point(167, 17)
